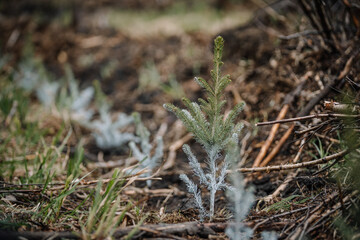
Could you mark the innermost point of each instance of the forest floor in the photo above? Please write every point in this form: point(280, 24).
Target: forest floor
point(147, 54)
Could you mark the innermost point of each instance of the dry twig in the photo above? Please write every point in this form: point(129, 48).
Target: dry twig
point(295, 166)
point(320, 115)
point(270, 138)
point(276, 149)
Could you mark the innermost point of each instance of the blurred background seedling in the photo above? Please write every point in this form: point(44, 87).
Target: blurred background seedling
point(75, 101)
point(149, 77)
point(143, 154)
point(173, 88)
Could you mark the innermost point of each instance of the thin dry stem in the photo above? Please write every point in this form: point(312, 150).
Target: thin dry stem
point(270, 138)
point(294, 166)
point(277, 147)
point(320, 115)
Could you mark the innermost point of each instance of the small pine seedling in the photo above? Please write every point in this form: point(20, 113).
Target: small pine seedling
point(146, 160)
point(212, 130)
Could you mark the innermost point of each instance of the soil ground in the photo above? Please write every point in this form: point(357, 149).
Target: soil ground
point(126, 44)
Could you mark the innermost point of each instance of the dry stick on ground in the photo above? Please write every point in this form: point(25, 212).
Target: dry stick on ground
point(354, 13)
point(160, 234)
point(298, 34)
point(270, 138)
point(314, 128)
point(277, 147)
point(295, 166)
point(326, 23)
point(319, 115)
point(186, 229)
point(334, 80)
point(283, 214)
point(310, 105)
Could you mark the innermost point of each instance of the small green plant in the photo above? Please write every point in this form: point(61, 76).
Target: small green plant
point(105, 213)
point(6, 103)
point(73, 166)
point(321, 152)
point(149, 77)
point(13, 101)
point(212, 130)
point(30, 73)
point(42, 169)
point(173, 88)
point(286, 203)
point(51, 211)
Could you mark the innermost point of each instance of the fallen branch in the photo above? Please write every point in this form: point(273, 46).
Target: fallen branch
point(160, 234)
point(276, 149)
point(320, 115)
point(270, 138)
point(294, 166)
